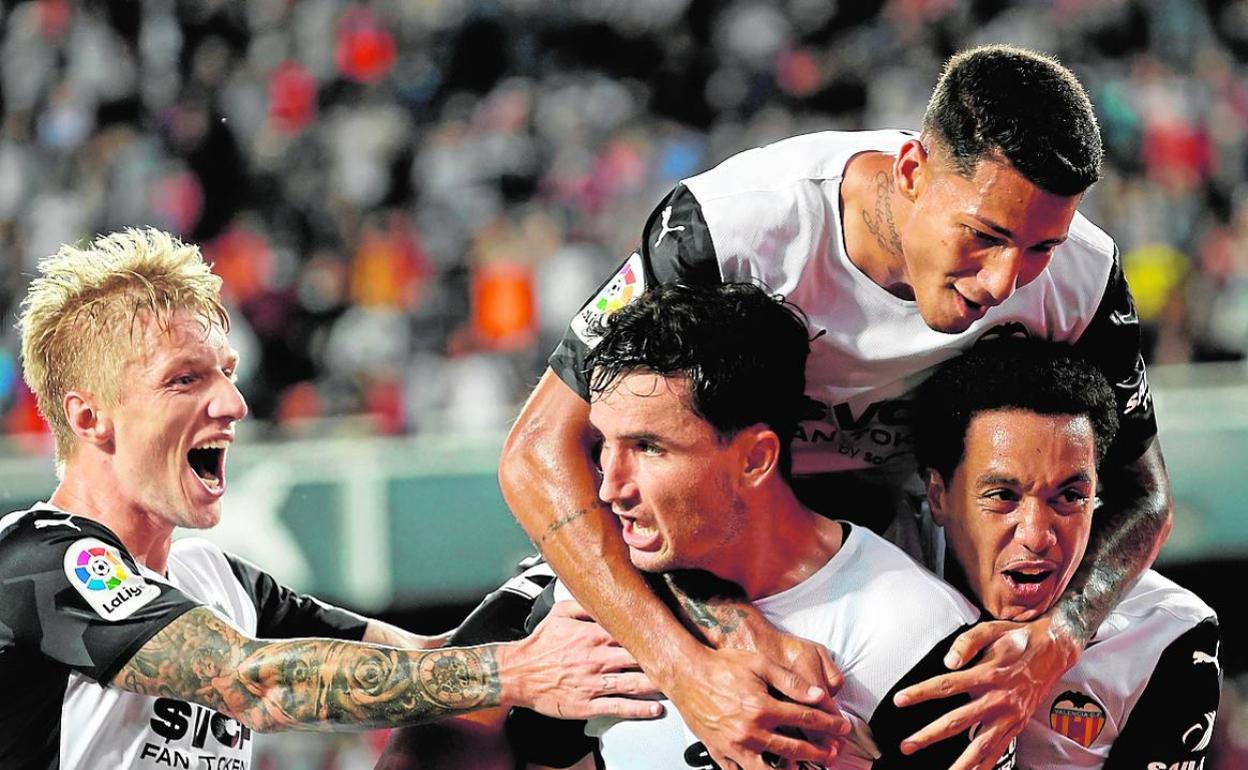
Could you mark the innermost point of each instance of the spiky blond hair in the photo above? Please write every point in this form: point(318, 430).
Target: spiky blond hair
point(83, 316)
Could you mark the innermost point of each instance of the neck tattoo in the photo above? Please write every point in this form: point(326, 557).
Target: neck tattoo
point(882, 226)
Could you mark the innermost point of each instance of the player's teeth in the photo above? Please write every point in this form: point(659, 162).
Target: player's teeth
point(642, 529)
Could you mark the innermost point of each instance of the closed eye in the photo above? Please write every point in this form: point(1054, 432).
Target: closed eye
point(1000, 494)
point(983, 237)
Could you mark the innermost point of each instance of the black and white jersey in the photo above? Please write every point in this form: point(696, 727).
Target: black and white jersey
point(76, 607)
point(1144, 695)
point(887, 623)
point(772, 215)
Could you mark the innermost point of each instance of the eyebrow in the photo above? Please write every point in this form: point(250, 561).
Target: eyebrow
point(653, 438)
point(989, 479)
point(191, 360)
point(1005, 231)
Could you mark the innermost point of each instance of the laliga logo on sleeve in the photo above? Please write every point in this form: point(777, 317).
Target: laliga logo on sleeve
point(627, 284)
point(96, 571)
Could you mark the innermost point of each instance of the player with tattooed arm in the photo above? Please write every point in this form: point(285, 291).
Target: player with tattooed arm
point(121, 648)
point(904, 249)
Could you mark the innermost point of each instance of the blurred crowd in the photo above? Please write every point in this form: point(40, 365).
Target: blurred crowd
point(408, 200)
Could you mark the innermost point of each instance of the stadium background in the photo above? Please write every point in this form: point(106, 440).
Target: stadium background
point(409, 200)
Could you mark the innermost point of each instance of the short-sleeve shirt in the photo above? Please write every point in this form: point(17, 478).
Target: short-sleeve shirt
point(887, 623)
point(772, 215)
point(1144, 694)
point(77, 606)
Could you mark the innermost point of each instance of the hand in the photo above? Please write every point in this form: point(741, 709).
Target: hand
point(1021, 662)
point(742, 705)
point(810, 661)
point(570, 668)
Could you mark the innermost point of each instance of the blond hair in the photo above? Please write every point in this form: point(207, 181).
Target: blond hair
point(80, 315)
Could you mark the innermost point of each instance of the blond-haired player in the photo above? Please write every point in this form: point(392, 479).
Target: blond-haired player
point(129, 650)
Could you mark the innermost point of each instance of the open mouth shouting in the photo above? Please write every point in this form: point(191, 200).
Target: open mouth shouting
point(207, 462)
point(639, 536)
point(1030, 582)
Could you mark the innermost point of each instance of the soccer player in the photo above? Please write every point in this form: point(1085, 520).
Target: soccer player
point(1012, 439)
point(904, 249)
point(695, 394)
point(119, 648)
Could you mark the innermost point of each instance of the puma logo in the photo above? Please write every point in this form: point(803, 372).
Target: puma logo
point(1199, 657)
point(667, 218)
point(45, 523)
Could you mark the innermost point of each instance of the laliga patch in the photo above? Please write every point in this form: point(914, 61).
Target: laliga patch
point(1077, 716)
point(96, 571)
point(623, 288)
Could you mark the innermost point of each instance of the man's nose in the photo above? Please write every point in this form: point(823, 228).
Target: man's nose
point(228, 402)
point(617, 485)
point(1035, 528)
point(999, 275)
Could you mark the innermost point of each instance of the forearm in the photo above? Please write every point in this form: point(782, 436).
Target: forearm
point(591, 559)
point(1130, 528)
point(385, 634)
point(715, 609)
point(548, 480)
point(309, 683)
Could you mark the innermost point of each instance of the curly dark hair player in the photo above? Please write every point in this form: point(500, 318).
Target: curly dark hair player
point(903, 249)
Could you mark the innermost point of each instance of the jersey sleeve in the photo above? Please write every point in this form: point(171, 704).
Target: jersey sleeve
point(284, 614)
point(890, 724)
point(1172, 723)
point(675, 247)
point(1112, 342)
point(75, 594)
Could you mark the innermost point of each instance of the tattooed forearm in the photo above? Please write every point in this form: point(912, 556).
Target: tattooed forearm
point(305, 683)
point(883, 226)
point(560, 522)
point(1124, 539)
point(713, 608)
point(719, 620)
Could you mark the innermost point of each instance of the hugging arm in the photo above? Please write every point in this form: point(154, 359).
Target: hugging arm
point(312, 683)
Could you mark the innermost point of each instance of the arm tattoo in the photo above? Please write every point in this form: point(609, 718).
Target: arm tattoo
point(308, 683)
point(713, 608)
point(716, 620)
point(889, 241)
point(1119, 550)
point(559, 523)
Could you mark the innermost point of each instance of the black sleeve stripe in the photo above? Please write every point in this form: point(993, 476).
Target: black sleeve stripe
point(284, 614)
point(676, 247)
point(1112, 342)
point(890, 725)
point(1172, 723)
point(45, 614)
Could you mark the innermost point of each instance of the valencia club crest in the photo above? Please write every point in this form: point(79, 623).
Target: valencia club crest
point(1077, 716)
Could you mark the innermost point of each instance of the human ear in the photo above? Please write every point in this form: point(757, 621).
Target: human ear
point(86, 420)
point(909, 169)
point(936, 496)
point(761, 454)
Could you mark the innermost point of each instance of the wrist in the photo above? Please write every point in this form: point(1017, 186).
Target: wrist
point(1067, 639)
point(503, 662)
point(673, 662)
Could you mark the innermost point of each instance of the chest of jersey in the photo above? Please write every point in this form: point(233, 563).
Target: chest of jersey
point(110, 727)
